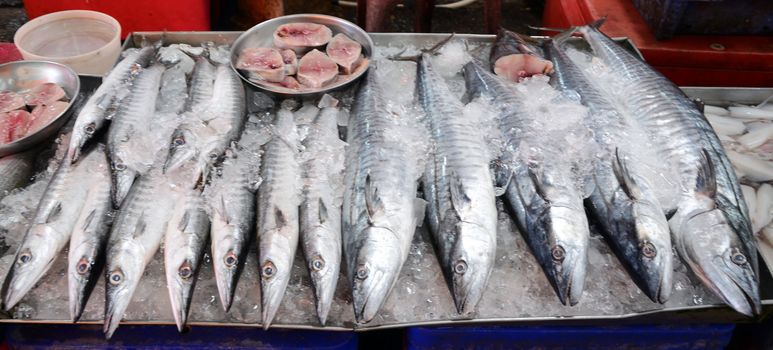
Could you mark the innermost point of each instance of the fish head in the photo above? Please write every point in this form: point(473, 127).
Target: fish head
point(276, 264)
point(653, 258)
point(180, 277)
point(123, 178)
point(564, 255)
point(719, 258)
point(122, 274)
point(182, 148)
point(470, 262)
point(33, 259)
point(324, 265)
point(82, 276)
point(376, 268)
point(227, 256)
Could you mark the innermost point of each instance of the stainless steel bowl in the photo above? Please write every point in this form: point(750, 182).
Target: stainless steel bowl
point(261, 35)
point(21, 75)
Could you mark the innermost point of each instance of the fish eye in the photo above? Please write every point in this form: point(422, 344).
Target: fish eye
point(318, 264)
point(230, 259)
point(179, 140)
point(268, 270)
point(25, 257)
point(119, 166)
point(738, 258)
point(115, 277)
point(648, 249)
point(362, 272)
point(213, 155)
point(83, 266)
point(558, 253)
point(185, 271)
point(460, 267)
point(90, 128)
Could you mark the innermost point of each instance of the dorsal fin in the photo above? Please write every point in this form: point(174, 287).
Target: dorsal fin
point(280, 218)
point(459, 199)
point(322, 212)
point(54, 213)
point(373, 203)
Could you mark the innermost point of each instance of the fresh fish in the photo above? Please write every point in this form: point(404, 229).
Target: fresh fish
point(300, 36)
point(231, 195)
point(51, 227)
point(278, 201)
point(316, 69)
point(458, 187)
point(185, 242)
point(16, 170)
point(262, 64)
point(344, 51)
point(320, 209)
point(136, 234)
point(623, 202)
point(44, 94)
point(129, 155)
point(107, 99)
point(380, 208)
point(219, 123)
point(513, 58)
point(202, 85)
point(89, 236)
point(539, 188)
point(711, 227)
point(11, 101)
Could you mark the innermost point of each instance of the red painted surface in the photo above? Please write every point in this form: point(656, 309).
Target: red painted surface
point(688, 60)
point(135, 15)
point(9, 52)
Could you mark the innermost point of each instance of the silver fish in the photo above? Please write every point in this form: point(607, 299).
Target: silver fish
point(89, 236)
point(129, 155)
point(51, 227)
point(231, 195)
point(134, 239)
point(458, 187)
point(16, 170)
point(539, 187)
point(320, 210)
point(107, 99)
point(184, 245)
point(711, 227)
point(202, 84)
point(278, 201)
point(380, 208)
point(624, 203)
point(219, 123)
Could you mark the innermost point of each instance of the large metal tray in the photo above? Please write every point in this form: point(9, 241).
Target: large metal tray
point(518, 292)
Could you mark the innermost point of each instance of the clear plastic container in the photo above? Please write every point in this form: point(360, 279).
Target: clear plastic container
point(87, 41)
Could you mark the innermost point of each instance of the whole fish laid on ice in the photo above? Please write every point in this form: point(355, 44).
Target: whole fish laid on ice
point(320, 210)
point(513, 58)
point(202, 84)
point(16, 170)
point(278, 201)
point(108, 98)
point(220, 121)
point(623, 202)
point(50, 229)
point(458, 187)
point(380, 208)
point(539, 187)
point(711, 227)
point(130, 155)
point(136, 234)
point(231, 196)
point(185, 242)
point(89, 236)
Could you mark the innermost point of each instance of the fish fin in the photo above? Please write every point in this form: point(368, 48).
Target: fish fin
point(624, 178)
point(459, 199)
point(89, 219)
point(560, 38)
point(322, 212)
point(436, 48)
point(140, 228)
point(706, 181)
point(598, 23)
point(223, 211)
point(419, 209)
point(400, 57)
point(373, 202)
point(537, 184)
point(699, 104)
point(255, 184)
point(54, 213)
point(280, 218)
point(183, 224)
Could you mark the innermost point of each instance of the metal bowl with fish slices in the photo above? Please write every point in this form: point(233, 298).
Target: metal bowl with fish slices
point(24, 76)
point(268, 36)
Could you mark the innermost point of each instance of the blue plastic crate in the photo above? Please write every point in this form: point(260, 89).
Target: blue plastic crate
point(67, 337)
point(671, 337)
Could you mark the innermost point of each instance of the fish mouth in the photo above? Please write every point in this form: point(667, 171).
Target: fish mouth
point(114, 309)
point(324, 284)
point(226, 281)
point(180, 297)
point(370, 297)
point(272, 293)
point(77, 297)
point(738, 287)
point(177, 157)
